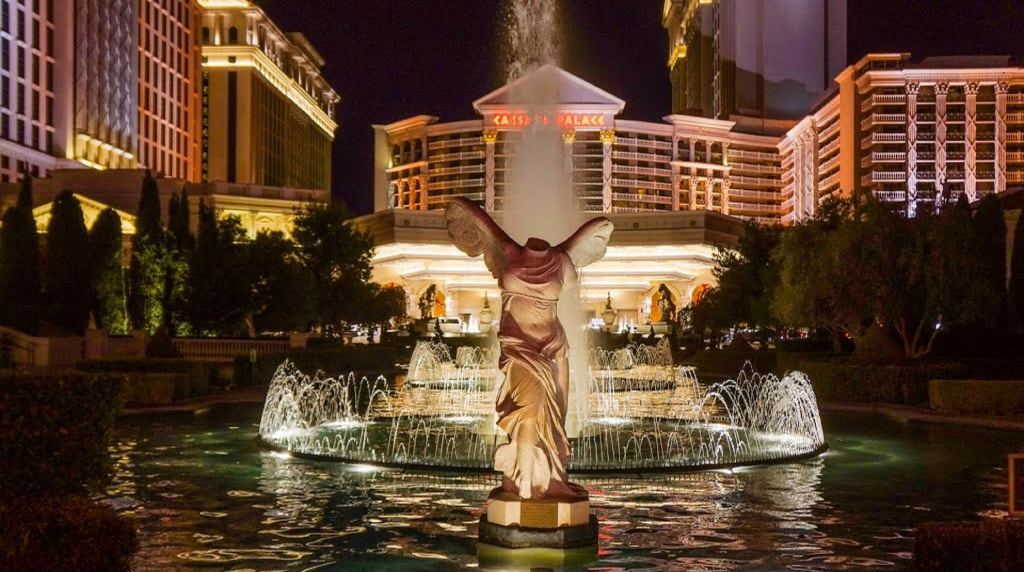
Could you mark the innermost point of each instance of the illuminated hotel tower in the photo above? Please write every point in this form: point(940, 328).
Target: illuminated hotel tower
point(100, 84)
point(169, 79)
point(29, 122)
point(268, 113)
point(755, 62)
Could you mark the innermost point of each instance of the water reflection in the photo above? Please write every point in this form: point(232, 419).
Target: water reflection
point(206, 498)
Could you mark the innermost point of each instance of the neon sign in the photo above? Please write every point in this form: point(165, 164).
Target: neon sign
point(560, 119)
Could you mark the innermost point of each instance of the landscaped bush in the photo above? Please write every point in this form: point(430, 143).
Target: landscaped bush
point(340, 360)
point(196, 383)
point(989, 546)
point(55, 430)
point(845, 380)
point(728, 363)
point(975, 396)
point(64, 533)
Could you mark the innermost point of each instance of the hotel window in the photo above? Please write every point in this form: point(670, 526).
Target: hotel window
point(232, 35)
point(206, 36)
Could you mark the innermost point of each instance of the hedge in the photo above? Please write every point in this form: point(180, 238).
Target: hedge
point(729, 362)
point(56, 430)
point(845, 380)
point(64, 533)
point(989, 545)
point(973, 396)
point(196, 383)
point(335, 361)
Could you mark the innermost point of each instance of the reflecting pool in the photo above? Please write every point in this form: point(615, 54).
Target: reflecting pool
point(206, 498)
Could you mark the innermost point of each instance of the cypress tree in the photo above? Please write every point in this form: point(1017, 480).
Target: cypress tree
point(990, 230)
point(68, 275)
point(20, 290)
point(146, 272)
point(105, 240)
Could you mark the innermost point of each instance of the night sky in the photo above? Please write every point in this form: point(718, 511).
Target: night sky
point(393, 59)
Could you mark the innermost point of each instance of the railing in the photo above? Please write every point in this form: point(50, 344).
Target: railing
point(639, 156)
point(1015, 98)
point(888, 176)
point(1015, 176)
point(456, 184)
point(759, 207)
point(891, 196)
point(1015, 136)
point(641, 184)
point(829, 181)
point(763, 181)
point(441, 171)
point(465, 142)
point(881, 157)
point(883, 118)
point(636, 197)
point(219, 349)
point(926, 118)
point(1015, 156)
point(757, 168)
point(885, 138)
point(634, 142)
point(882, 99)
point(760, 155)
point(457, 156)
point(632, 170)
point(747, 194)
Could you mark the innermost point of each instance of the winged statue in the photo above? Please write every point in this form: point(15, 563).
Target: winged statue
point(532, 401)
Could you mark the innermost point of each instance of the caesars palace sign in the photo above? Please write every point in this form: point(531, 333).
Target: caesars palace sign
point(573, 120)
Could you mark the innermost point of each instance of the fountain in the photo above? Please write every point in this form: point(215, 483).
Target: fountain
point(644, 414)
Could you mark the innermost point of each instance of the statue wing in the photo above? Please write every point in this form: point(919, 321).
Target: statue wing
point(474, 232)
point(589, 243)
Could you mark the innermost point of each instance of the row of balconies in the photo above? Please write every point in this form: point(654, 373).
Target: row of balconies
point(757, 168)
point(759, 181)
point(456, 184)
point(459, 156)
point(634, 142)
point(634, 170)
point(635, 183)
point(748, 194)
point(758, 207)
point(470, 169)
point(642, 198)
point(632, 155)
point(758, 155)
point(462, 142)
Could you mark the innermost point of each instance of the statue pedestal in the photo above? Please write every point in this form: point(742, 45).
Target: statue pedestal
point(512, 522)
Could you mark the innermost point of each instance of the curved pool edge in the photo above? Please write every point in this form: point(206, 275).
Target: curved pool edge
point(425, 468)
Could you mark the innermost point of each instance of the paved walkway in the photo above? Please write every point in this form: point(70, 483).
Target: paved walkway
point(899, 412)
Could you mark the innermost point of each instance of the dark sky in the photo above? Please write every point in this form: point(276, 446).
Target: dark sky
point(392, 59)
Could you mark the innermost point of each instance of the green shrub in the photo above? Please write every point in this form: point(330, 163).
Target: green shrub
point(989, 546)
point(974, 396)
point(845, 380)
point(56, 430)
point(195, 384)
point(64, 533)
point(729, 362)
point(339, 360)
point(153, 388)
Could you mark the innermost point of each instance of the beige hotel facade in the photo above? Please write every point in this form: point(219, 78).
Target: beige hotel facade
point(916, 134)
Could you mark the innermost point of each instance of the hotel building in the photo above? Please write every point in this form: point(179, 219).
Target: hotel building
point(268, 113)
point(914, 134)
point(760, 63)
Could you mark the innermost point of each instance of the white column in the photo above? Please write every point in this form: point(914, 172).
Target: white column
point(693, 191)
point(941, 92)
point(568, 138)
point(912, 89)
point(971, 141)
point(1002, 88)
point(490, 137)
point(607, 138)
point(725, 196)
point(677, 180)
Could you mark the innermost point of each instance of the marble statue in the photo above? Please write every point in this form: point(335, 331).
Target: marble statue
point(533, 397)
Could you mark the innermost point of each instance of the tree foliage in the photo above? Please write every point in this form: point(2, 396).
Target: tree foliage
point(219, 275)
point(279, 286)
point(68, 274)
point(337, 257)
point(106, 261)
point(747, 277)
point(20, 278)
point(147, 269)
